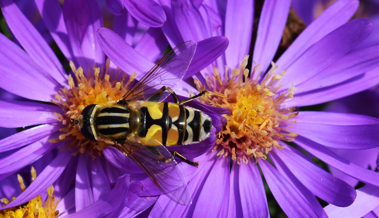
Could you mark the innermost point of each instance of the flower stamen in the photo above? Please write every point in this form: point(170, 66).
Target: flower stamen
point(35, 207)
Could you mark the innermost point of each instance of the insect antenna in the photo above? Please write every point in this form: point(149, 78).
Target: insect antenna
point(74, 122)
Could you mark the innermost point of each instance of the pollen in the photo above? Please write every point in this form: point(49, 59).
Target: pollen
point(98, 86)
point(35, 207)
point(257, 120)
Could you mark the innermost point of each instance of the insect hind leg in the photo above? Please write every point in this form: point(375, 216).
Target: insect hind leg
point(181, 157)
point(193, 97)
point(158, 94)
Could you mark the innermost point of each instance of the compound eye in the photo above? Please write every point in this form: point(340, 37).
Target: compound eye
point(86, 124)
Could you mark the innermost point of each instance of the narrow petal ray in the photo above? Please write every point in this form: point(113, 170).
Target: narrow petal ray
point(33, 43)
point(47, 177)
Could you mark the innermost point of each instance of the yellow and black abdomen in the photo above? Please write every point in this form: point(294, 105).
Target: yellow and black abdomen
point(171, 124)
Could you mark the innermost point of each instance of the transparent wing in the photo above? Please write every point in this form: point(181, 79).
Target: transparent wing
point(162, 169)
point(169, 71)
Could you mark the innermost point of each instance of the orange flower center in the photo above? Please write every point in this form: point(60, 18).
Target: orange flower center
point(257, 120)
point(99, 87)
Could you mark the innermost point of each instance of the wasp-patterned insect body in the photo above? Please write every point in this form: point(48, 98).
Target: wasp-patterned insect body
point(145, 122)
point(143, 127)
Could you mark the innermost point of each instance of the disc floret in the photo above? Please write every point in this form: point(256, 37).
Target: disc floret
point(35, 207)
point(257, 120)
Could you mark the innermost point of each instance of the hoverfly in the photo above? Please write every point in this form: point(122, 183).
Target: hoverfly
point(143, 127)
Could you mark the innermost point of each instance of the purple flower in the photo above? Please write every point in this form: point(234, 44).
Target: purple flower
point(76, 167)
point(321, 65)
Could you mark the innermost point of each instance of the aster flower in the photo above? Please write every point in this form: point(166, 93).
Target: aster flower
point(75, 166)
point(320, 66)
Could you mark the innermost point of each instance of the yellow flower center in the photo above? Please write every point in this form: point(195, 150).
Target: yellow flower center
point(257, 120)
point(35, 207)
point(99, 87)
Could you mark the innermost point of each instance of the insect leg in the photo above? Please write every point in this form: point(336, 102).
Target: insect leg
point(193, 97)
point(176, 154)
point(157, 95)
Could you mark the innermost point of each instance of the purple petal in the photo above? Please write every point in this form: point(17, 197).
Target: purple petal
point(52, 15)
point(212, 19)
point(340, 136)
point(289, 198)
point(125, 26)
point(352, 86)
point(271, 26)
point(373, 38)
point(170, 29)
point(367, 200)
point(46, 178)
point(83, 18)
point(327, 51)
point(116, 7)
point(332, 18)
point(251, 189)
point(352, 64)
point(189, 21)
point(189, 172)
point(66, 182)
point(210, 202)
point(83, 191)
point(146, 11)
point(207, 51)
point(305, 9)
point(8, 187)
point(152, 44)
point(363, 158)
point(66, 204)
point(234, 208)
point(166, 207)
point(334, 118)
point(116, 48)
point(100, 185)
point(108, 202)
point(21, 76)
point(338, 162)
point(33, 43)
point(135, 204)
point(361, 103)
point(238, 29)
point(120, 160)
point(25, 156)
point(319, 182)
point(27, 136)
point(286, 172)
point(20, 113)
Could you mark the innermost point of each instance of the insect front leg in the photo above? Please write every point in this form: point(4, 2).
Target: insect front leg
point(193, 97)
point(158, 94)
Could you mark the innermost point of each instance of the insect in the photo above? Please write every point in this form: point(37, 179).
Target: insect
point(142, 127)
